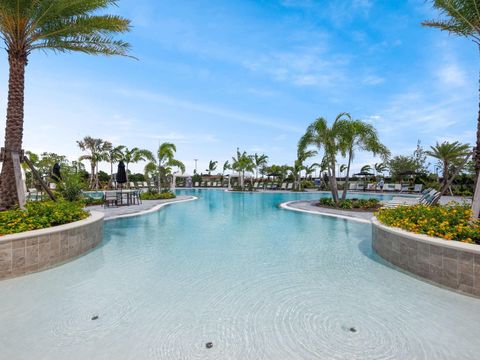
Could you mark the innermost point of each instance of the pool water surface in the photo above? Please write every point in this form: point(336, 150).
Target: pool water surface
point(233, 269)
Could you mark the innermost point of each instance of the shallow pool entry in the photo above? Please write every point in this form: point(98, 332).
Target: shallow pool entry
point(232, 276)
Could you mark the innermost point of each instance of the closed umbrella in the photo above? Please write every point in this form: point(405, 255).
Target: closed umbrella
point(56, 175)
point(121, 173)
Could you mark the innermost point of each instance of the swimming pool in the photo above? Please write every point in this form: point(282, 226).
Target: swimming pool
point(233, 269)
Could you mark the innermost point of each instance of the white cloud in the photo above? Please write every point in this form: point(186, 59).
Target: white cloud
point(451, 74)
point(372, 80)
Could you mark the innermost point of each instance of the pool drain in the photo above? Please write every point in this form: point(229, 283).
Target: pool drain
point(352, 329)
point(95, 317)
point(209, 345)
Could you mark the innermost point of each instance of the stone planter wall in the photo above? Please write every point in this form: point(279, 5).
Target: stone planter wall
point(451, 264)
point(37, 250)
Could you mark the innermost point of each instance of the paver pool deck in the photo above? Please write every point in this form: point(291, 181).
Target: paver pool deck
point(145, 206)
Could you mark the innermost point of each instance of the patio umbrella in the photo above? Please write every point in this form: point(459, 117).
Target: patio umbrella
point(363, 173)
point(56, 176)
point(121, 173)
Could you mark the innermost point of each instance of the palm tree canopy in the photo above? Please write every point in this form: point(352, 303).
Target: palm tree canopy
point(61, 26)
point(212, 165)
point(321, 135)
point(366, 169)
point(462, 18)
point(357, 134)
point(449, 152)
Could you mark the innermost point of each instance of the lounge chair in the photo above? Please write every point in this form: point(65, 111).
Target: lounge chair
point(284, 186)
point(426, 199)
point(290, 186)
point(417, 188)
point(196, 184)
point(389, 187)
point(397, 187)
point(352, 186)
point(405, 188)
point(371, 187)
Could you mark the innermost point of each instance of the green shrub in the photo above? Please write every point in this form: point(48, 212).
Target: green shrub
point(71, 186)
point(451, 222)
point(347, 204)
point(152, 195)
point(40, 215)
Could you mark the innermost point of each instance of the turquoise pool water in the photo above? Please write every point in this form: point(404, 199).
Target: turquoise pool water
point(233, 269)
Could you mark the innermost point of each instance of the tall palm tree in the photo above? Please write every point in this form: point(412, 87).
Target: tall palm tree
point(212, 166)
point(462, 18)
point(97, 150)
point(164, 162)
point(320, 135)
point(357, 135)
point(302, 155)
point(60, 26)
point(448, 154)
point(259, 161)
point(242, 163)
point(226, 166)
point(135, 155)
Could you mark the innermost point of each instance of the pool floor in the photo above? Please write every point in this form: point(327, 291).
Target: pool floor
point(233, 269)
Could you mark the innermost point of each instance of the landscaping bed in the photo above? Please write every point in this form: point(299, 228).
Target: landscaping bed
point(449, 222)
point(157, 196)
point(40, 215)
point(361, 205)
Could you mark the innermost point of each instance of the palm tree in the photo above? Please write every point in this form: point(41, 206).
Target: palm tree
point(97, 149)
point(164, 162)
point(462, 18)
point(259, 161)
point(330, 139)
point(302, 155)
point(242, 163)
point(60, 26)
point(212, 166)
point(366, 169)
point(310, 169)
point(449, 154)
point(380, 168)
point(342, 168)
point(226, 166)
point(135, 155)
point(357, 135)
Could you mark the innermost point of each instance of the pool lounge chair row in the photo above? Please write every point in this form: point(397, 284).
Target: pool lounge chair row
point(417, 188)
point(429, 196)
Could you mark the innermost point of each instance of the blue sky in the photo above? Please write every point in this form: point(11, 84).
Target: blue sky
point(216, 75)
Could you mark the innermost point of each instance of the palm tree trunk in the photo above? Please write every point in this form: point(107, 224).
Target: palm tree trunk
point(333, 183)
point(92, 175)
point(347, 178)
point(126, 172)
point(13, 128)
point(477, 153)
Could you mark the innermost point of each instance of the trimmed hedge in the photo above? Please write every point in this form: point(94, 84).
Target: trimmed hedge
point(450, 222)
point(157, 196)
point(348, 204)
point(40, 215)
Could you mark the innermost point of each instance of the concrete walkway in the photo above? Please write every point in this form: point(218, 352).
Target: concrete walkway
point(146, 206)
